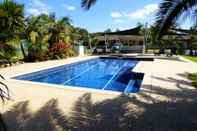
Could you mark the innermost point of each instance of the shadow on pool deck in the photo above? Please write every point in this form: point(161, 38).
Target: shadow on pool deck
point(48, 118)
point(119, 114)
point(180, 91)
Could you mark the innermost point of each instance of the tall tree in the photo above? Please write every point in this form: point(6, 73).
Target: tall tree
point(171, 10)
point(12, 18)
point(11, 23)
point(61, 30)
point(38, 35)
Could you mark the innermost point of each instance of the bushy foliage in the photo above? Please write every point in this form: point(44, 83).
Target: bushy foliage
point(193, 78)
point(7, 51)
point(60, 50)
point(37, 52)
point(45, 36)
point(11, 17)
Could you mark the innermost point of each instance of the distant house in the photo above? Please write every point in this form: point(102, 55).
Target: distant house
point(186, 38)
point(132, 41)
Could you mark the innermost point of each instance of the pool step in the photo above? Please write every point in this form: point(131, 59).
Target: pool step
point(119, 79)
point(127, 82)
point(129, 86)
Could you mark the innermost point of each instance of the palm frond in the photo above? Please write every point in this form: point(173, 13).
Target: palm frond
point(33, 36)
point(170, 11)
point(86, 4)
point(4, 91)
point(65, 21)
point(46, 38)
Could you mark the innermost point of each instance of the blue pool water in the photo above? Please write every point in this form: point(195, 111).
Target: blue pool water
point(100, 73)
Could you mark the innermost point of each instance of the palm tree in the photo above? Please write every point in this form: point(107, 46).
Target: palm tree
point(38, 35)
point(86, 4)
point(12, 17)
point(61, 30)
point(4, 95)
point(11, 23)
point(171, 10)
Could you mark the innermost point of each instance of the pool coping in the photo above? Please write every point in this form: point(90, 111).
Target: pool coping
point(78, 88)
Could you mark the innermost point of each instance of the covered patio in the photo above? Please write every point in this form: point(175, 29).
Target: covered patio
point(132, 41)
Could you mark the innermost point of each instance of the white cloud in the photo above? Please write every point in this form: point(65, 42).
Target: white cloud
point(119, 21)
point(69, 7)
point(116, 14)
point(144, 12)
point(32, 11)
point(38, 7)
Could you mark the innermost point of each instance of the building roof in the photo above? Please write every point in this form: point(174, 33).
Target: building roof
point(185, 31)
point(120, 37)
point(133, 31)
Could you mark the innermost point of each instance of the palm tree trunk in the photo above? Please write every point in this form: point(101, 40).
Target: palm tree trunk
point(23, 51)
point(90, 44)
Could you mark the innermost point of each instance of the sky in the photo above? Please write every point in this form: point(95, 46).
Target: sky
point(113, 14)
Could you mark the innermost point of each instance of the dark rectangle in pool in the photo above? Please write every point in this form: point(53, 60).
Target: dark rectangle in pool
point(100, 73)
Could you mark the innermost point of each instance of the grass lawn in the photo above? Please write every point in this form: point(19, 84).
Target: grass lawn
point(193, 78)
point(192, 58)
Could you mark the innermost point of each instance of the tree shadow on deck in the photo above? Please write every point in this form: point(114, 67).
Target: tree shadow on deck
point(181, 88)
point(118, 114)
point(47, 118)
point(134, 114)
point(128, 114)
point(180, 82)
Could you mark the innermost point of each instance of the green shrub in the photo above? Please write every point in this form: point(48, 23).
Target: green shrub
point(37, 52)
point(191, 58)
point(71, 52)
point(61, 50)
point(7, 51)
point(193, 78)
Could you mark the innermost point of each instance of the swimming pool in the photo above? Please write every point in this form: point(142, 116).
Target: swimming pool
point(109, 74)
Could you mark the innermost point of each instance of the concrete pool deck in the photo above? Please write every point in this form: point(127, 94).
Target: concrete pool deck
point(164, 83)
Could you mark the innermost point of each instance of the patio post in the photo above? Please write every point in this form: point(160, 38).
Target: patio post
point(145, 38)
point(105, 42)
